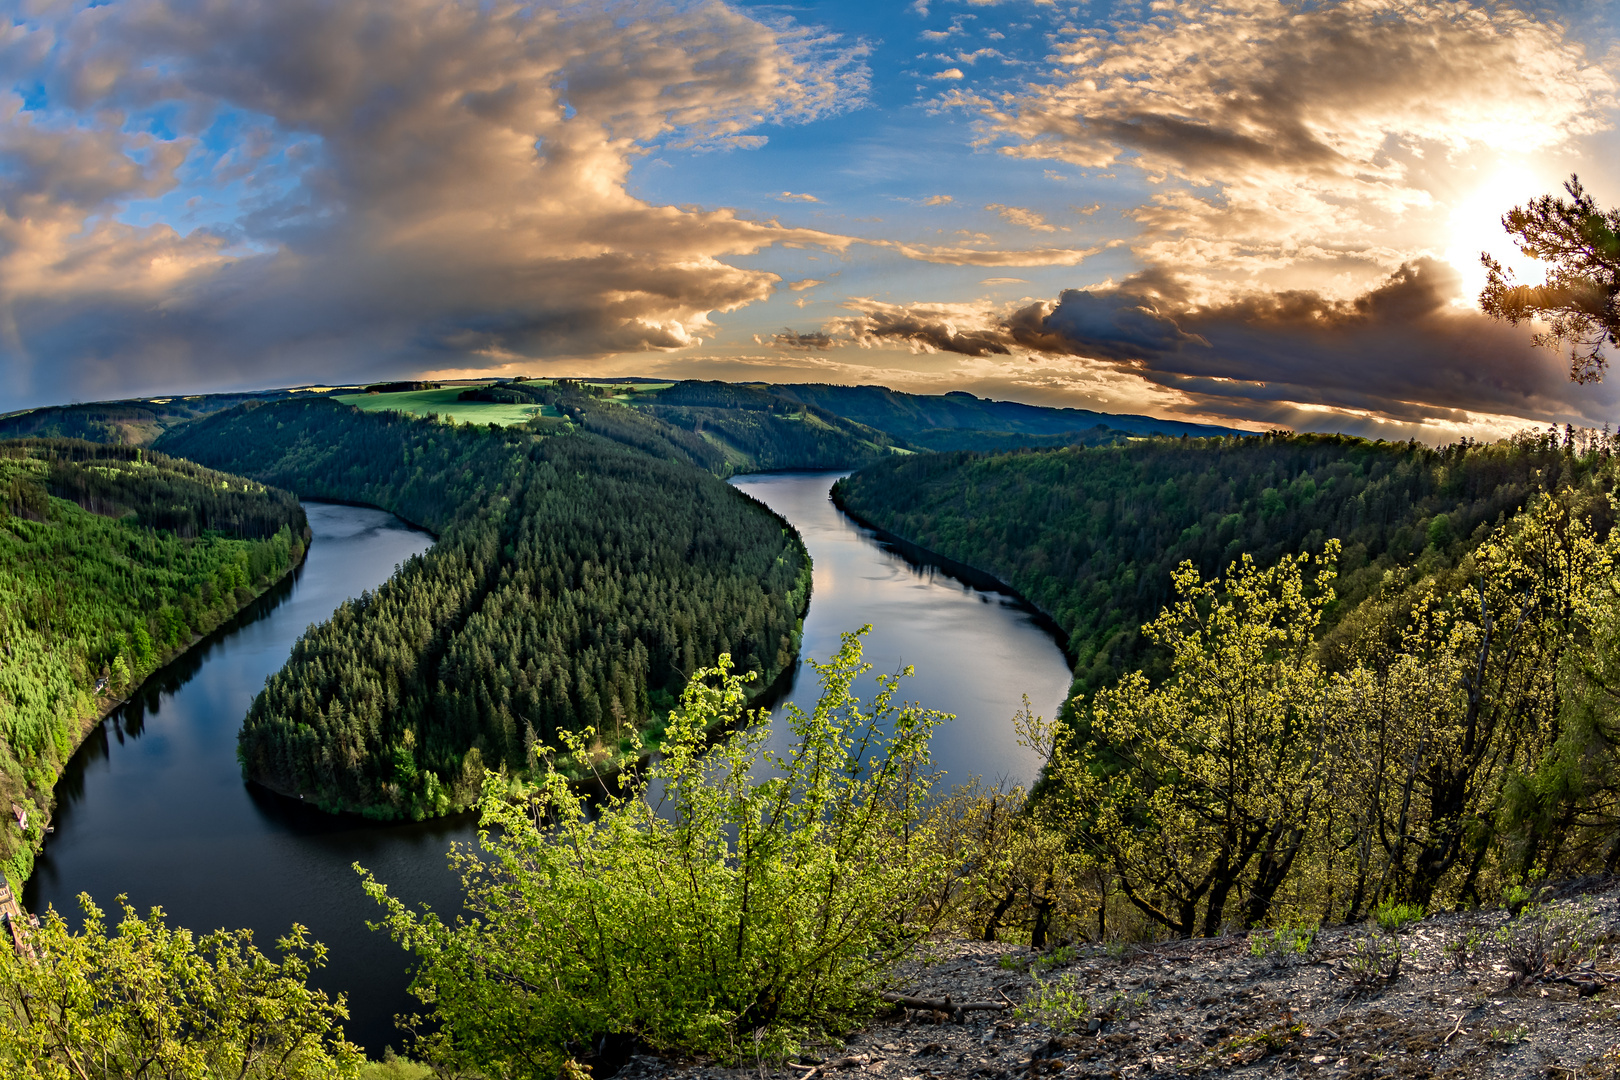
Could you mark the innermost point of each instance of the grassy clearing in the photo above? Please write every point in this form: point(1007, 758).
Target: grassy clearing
point(443, 402)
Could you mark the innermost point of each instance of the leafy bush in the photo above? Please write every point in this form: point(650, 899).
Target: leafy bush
point(762, 899)
point(1063, 1005)
point(1393, 916)
point(1375, 959)
point(149, 1002)
point(1547, 942)
point(1284, 943)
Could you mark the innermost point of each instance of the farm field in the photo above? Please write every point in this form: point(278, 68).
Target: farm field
point(443, 402)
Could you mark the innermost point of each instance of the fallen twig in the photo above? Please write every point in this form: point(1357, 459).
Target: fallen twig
point(945, 1004)
point(1456, 1030)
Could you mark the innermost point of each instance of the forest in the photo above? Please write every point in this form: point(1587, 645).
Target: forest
point(1092, 536)
point(577, 581)
point(112, 560)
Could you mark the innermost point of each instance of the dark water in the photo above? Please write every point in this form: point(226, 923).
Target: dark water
point(153, 805)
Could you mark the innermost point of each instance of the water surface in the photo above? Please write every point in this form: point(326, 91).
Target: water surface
point(976, 652)
point(154, 805)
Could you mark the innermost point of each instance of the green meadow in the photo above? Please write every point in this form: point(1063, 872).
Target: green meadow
point(443, 402)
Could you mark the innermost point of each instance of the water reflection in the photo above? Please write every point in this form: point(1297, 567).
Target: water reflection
point(153, 804)
point(975, 651)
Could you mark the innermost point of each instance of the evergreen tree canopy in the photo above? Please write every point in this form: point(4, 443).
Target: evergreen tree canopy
point(576, 583)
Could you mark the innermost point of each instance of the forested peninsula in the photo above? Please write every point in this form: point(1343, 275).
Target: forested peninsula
point(1091, 536)
point(576, 583)
point(113, 560)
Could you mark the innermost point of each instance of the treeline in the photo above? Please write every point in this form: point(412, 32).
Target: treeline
point(1457, 748)
point(112, 560)
point(1092, 536)
point(759, 430)
point(576, 583)
point(134, 422)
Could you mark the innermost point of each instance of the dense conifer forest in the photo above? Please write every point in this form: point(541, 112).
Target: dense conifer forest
point(1091, 536)
point(112, 560)
point(759, 430)
point(577, 581)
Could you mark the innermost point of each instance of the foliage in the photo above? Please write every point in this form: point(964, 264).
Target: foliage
point(576, 584)
point(1375, 958)
point(1447, 758)
point(756, 900)
point(1580, 299)
point(149, 1001)
point(1284, 943)
point(112, 560)
point(134, 422)
point(1207, 783)
point(1064, 1005)
point(1091, 536)
point(1393, 916)
point(1545, 941)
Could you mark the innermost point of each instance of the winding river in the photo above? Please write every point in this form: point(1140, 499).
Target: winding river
point(153, 804)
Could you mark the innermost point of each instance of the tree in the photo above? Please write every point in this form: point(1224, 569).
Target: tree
point(761, 898)
point(1580, 300)
point(1199, 792)
point(149, 1001)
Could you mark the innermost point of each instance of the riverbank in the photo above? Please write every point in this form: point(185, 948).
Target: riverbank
point(979, 578)
point(18, 865)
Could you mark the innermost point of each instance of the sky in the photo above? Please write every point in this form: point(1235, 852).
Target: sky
point(1254, 213)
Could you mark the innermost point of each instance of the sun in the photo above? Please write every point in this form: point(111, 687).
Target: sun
point(1475, 225)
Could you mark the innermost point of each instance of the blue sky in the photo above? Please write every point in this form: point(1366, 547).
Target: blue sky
point(1254, 212)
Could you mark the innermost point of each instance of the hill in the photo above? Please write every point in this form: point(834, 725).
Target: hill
point(113, 560)
point(133, 422)
point(1090, 536)
point(577, 581)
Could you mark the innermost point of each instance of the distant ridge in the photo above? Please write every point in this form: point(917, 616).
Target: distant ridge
point(908, 414)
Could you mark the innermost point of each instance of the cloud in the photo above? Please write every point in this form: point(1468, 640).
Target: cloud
point(1004, 281)
point(402, 182)
point(804, 283)
point(788, 196)
point(1400, 353)
point(938, 200)
point(949, 73)
point(1290, 135)
point(795, 341)
point(965, 256)
point(1022, 216)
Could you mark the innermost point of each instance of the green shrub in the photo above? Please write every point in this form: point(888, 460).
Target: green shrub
point(763, 900)
point(1063, 1005)
point(151, 1000)
point(1284, 943)
point(1393, 916)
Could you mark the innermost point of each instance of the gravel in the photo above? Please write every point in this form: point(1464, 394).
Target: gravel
point(1207, 1007)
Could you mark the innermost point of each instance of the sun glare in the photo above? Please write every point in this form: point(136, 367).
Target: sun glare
point(1475, 225)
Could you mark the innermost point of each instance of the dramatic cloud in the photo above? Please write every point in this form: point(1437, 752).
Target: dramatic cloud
point(1292, 134)
point(401, 181)
point(1402, 351)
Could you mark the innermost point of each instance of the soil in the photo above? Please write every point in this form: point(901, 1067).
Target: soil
point(1212, 1008)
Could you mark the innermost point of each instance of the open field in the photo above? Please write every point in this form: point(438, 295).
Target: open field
point(443, 402)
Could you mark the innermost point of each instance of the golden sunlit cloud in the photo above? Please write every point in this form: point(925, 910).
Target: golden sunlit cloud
point(1325, 140)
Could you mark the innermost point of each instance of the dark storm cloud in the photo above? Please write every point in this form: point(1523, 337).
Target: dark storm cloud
point(1403, 351)
point(420, 179)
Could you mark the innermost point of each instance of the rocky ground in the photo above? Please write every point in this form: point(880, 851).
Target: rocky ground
point(1477, 994)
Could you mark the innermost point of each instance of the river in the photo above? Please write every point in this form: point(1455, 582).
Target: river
point(153, 804)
